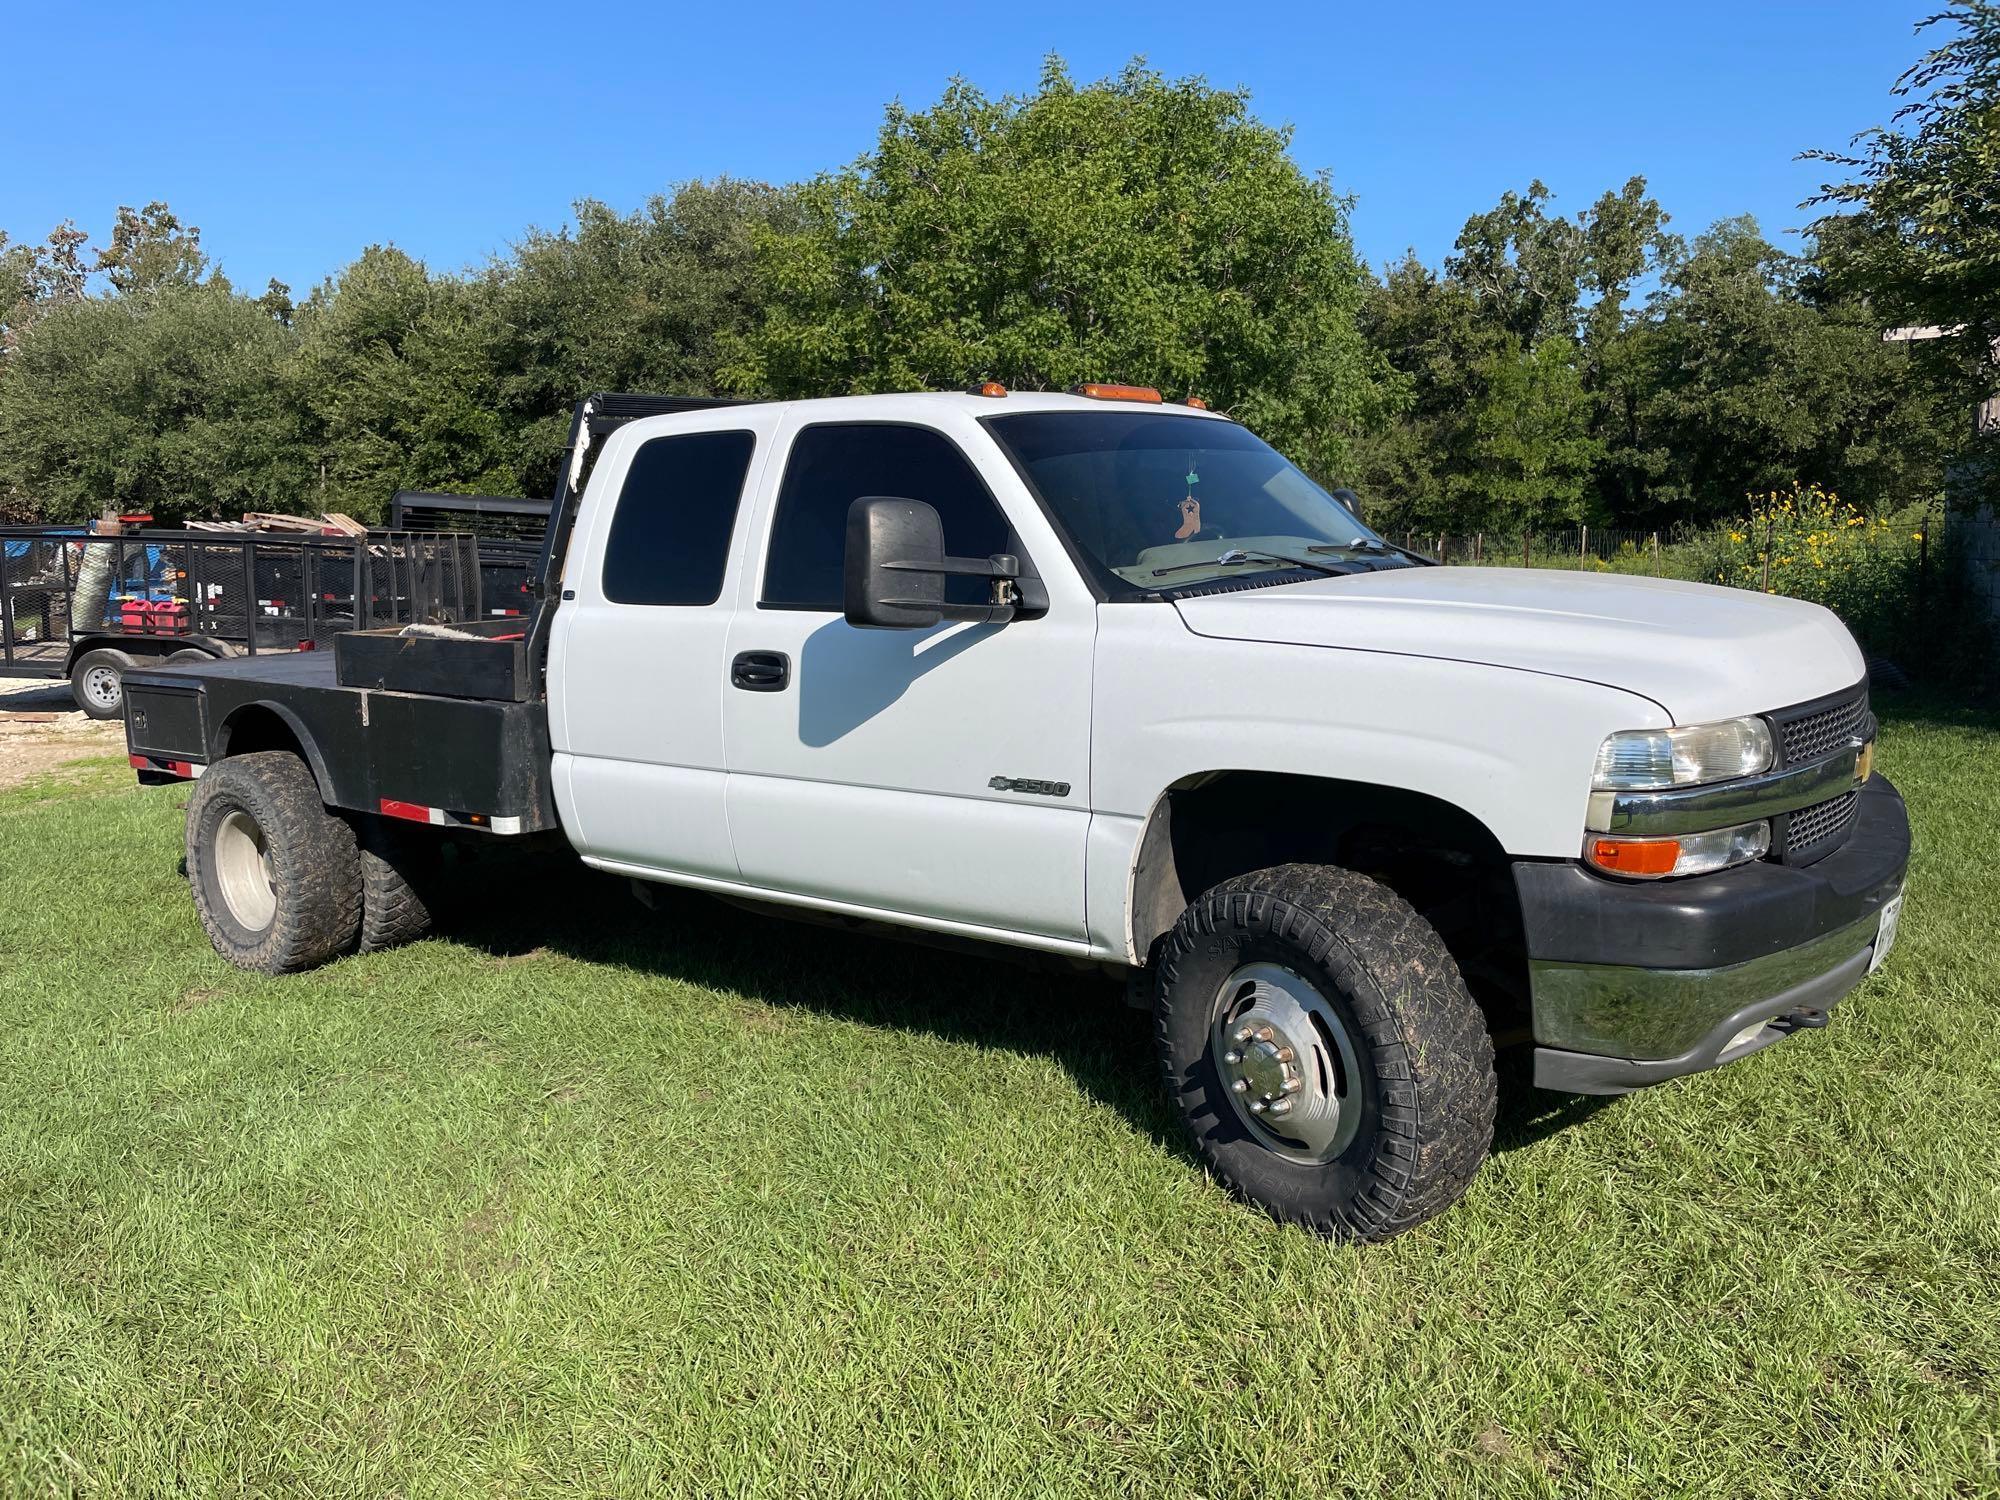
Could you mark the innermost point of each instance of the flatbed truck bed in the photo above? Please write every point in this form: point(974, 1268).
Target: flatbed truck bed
point(474, 763)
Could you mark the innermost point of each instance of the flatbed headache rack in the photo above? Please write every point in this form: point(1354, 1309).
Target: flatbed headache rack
point(510, 529)
point(63, 590)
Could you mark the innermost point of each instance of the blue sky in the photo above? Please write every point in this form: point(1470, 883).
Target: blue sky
point(294, 137)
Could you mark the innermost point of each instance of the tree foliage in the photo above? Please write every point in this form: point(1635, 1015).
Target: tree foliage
point(1133, 229)
point(1556, 367)
point(174, 406)
point(1924, 192)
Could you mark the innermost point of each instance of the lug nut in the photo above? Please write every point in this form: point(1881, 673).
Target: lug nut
point(1264, 1033)
point(1240, 1087)
point(1285, 1054)
point(1258, 1106)
point(1282, 1107)
point(1245, 1034)
point(1232, 1057)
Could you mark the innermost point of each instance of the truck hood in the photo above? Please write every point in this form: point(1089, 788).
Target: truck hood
point(1699, 651)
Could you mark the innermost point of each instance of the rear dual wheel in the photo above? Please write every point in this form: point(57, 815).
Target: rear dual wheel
point(1323, 1051)
point(276, 877)
point(281, 884)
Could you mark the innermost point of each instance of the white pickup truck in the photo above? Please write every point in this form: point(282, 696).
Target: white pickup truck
point(1106, 677)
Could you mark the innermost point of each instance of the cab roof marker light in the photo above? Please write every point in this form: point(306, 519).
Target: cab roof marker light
point(986, 388)
point(1102, 391)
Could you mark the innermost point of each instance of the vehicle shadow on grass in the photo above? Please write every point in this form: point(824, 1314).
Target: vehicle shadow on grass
point(984, 995)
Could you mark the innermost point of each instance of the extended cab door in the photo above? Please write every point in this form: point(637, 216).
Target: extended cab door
point(636, 662)
point(943, 773)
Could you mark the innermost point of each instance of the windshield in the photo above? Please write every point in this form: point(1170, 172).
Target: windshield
point(1155, 501)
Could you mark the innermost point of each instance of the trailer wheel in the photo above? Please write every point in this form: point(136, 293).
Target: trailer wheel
point(396, 869)
point(1324, 1052)
point(97, 682)
point(276, 877)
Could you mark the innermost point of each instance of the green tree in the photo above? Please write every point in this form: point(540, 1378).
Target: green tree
point(1925, 190)
point(151, 251)
point(394, 387)
point(1469, 341)
point(639, 301)
point(171, 404)
point(34, 278)
point(1133, 229)
point(1757, 378)
point(1528, 450)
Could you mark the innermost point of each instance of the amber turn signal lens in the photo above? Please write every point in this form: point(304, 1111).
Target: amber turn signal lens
point(1102, 392)
point(1864, 765)
point(1636, 856)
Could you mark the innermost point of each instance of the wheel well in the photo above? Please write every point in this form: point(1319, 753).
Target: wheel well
point(261, 726)
point(1435, 855)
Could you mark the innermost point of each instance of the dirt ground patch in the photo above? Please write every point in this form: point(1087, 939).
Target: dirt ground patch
point(41, 728)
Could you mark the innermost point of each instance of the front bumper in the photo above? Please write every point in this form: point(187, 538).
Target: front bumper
point(1634, 984)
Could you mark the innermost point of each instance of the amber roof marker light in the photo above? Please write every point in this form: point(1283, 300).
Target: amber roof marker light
point(986, 388)
point(1196, 402)
point(1099, 391)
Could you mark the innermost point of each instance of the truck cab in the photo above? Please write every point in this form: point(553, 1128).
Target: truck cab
point(1106, 677)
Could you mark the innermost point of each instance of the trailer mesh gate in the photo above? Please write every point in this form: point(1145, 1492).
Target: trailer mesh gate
point(250, 592)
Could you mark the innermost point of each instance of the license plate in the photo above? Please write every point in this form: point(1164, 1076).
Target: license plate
point(1885, 934)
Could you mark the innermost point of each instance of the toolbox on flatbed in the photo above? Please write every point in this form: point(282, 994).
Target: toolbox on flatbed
point(482, 659)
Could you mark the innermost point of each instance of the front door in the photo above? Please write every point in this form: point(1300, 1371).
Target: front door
point(941, 774)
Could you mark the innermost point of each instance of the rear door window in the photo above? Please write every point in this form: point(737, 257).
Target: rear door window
point(669, 541)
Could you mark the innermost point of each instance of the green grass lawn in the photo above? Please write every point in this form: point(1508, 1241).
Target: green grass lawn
point(595, 1199)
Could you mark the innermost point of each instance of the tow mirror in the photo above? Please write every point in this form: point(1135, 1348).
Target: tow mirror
point(894, 570)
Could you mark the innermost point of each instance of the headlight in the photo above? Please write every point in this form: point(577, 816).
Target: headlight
point(1649, 760)
point(1690, 854)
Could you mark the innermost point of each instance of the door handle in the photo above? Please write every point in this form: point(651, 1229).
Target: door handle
point(761, 671)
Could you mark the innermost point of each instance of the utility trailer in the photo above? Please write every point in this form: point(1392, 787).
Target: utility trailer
point(88, 607)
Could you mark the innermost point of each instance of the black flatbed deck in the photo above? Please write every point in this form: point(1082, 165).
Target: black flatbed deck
point(476, 763)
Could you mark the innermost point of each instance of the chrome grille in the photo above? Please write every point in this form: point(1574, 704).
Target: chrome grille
point(1820, 730)
point(1820, 829)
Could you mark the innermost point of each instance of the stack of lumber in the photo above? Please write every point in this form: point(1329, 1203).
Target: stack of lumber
point(333, 523)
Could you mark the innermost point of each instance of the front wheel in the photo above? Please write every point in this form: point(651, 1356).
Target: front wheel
point(1324, 1052)
point(276, 877)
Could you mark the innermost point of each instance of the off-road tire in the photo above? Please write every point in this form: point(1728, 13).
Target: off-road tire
point(1425, 1057)
point(397, 868)
point(102, 659)
point(315, 869)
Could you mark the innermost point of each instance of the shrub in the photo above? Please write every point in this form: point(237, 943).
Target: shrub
point(1876, 572)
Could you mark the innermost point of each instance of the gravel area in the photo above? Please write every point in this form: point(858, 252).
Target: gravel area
point(41, 728)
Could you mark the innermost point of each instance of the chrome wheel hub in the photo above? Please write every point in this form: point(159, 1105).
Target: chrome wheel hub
point(243, 872)
point(1287, 1064)
point(101, 685)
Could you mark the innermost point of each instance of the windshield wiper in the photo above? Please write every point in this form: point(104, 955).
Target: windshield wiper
point(1236, 556)
point(1372, 544)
